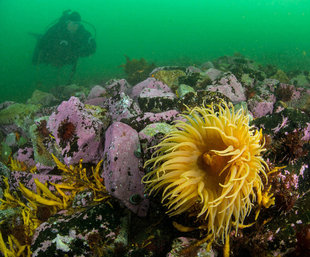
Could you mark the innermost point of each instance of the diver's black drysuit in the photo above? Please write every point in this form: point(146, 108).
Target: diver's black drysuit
point(59, 47)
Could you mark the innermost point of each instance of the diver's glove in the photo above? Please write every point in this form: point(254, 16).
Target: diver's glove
point(63, 43)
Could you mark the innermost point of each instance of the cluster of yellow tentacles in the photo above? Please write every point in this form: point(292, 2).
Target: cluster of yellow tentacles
point(75, 179)
point(211, 167)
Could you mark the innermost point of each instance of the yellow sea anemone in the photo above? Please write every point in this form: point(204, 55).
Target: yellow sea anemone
point(210, 166)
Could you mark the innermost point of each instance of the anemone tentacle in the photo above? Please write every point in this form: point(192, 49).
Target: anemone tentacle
point(210, 165)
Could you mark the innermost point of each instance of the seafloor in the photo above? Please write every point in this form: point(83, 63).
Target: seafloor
point(72, 161)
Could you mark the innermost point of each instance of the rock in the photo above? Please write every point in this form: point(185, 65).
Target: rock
point(207, 65)
point(301, 80)
point(96, 91)
point(65, 92)
point(151, 136)
point(230, 87)
point(247, 81)
point(26, 156)
point(99, 228)
point(288, 129)
point(4, 170)
point(294, 97)
point(121, 106)
point(306, 133)
point(8, 213)
point(42, 98)
point(183, 244)
point(15, 140)
point(169, 77)
point(11, 140)
point(212, 73)
point(260, 108)
point(262, 103)
point(5, 104)
point(281, 76)
point(270, 84)
point(151, 83)
point(122, 168)
point(46, 111)
point(239, 65)
point(199, 98)
point(183, 90)
point(167, 68)
point(20, 115)
point(284, 134)
point(156, 100)
point(43, 144)
point(83, 199)
point(147, 118)
point(97, 101)
point(192, 69)
point(115, 87)
point(27, 179)
point(78, 131)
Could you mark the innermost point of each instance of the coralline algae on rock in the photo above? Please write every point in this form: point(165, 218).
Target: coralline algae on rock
point(122, 167)
point(78, 131)
point(230, 87)
point(150, 83)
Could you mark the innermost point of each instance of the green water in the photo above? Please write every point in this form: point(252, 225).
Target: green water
point(165, 32)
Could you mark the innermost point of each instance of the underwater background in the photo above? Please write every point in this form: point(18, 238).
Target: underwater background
point(187, 132)
point(179, 32)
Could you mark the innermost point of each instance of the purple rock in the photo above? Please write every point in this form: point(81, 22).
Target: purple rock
point(97, 101)
point(96, 91)
point(25, 155)
point(118, 86)
point(153, 92)
point(207, 65)
point(306, 131)
point(78, 131)
point(230, 87)
point(156, 100)
point(123, 169)
point(27, 179)
point(75, 233)
point(212, 73)
point(44, 169)
point(192, 69)
point(147, 118)
point(121, 106)
point(271, 84)
point(263, 102)
point(260, 108)
point(148, 83)
point(167, 116)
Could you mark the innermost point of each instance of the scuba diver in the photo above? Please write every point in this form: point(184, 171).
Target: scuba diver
point(64, 42)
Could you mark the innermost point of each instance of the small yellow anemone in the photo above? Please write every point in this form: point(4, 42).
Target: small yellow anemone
point(210, 166)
